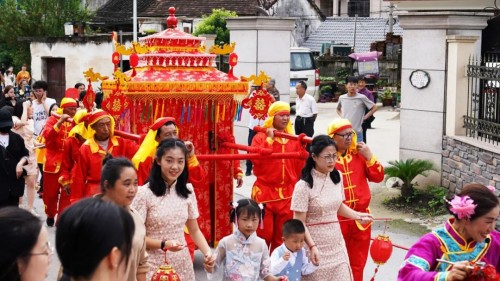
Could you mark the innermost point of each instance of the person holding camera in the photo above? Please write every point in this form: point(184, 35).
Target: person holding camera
point(14, 156)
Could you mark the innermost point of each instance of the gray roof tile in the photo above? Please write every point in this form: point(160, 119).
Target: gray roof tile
point(341, 30)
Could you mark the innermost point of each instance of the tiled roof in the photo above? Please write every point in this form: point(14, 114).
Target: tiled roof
point(341, 30)
point(197, 8)
point(120, 11)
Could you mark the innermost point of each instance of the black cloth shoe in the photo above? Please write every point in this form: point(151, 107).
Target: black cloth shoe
point(50, 222)
point(248, 173)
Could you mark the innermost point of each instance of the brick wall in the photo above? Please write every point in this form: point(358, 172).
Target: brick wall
point(464, 163)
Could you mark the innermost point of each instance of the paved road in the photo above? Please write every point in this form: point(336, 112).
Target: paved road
point(383, 140)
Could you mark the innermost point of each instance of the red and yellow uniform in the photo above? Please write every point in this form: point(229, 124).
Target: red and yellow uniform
point(87, 178)
point(356, 172)
point(55, 136)
point(71, 147)
point(276, 178)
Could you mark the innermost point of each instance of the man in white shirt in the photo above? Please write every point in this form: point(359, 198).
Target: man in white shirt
point(41, 105)
point(306, 111)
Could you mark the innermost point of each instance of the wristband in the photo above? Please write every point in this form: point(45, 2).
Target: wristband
point(162, 245)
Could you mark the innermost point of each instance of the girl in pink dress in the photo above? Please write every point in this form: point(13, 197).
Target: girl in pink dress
point(316, 201)
point(167, 203)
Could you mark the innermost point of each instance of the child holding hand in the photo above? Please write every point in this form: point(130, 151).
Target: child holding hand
point(290, 258)
point(243, 254)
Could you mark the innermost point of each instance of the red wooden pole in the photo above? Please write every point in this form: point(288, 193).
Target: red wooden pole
point(252, 149)
point(302, 137)
point(285, 155)
point(119, 133)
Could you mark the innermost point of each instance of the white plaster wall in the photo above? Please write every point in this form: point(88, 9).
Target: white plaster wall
point(79, 57)
point(423, 111)
point(262, 43)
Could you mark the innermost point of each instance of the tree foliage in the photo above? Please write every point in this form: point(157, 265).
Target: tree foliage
point(215, 23)
point(407, 171)
point(34, 18)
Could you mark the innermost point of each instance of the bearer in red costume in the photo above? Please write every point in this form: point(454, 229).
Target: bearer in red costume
point(358, 165)
point(55, 132)
point(164, 128)
point(101, 141)
point(276, 178)
point(71, 147)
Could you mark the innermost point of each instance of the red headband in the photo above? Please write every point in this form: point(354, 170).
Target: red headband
point(160, 122)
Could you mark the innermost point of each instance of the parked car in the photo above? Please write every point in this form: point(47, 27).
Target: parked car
point(303, 67)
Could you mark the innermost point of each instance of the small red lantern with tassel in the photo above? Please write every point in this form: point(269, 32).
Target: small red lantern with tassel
point(165, 273)
point(380, 251)
point(134, 61)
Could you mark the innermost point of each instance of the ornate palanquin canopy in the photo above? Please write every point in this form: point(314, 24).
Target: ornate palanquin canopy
point(172, 64)
point(173, 76)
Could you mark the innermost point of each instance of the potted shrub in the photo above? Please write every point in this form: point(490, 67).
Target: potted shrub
point(386, 97)
point(326, 93)
point(327, 90)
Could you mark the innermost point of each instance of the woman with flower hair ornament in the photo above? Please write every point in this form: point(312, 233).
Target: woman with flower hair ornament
point(466, 238)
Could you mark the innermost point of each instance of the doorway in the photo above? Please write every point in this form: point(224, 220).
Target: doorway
point(56, 78)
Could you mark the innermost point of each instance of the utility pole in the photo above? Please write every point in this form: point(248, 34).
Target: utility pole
point(391, 18)
point(134, 19)
point(355, 27)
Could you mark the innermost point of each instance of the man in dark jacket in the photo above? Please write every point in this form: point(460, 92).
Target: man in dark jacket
point(13, 156)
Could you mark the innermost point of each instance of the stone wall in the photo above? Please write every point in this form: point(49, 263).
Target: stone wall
point(464, 163)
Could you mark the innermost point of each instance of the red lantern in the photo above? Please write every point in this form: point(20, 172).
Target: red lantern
point(134, 61)
point(381, 249)
point(165, 273)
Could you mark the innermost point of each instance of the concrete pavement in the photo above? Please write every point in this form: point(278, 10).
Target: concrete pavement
point(384, 142)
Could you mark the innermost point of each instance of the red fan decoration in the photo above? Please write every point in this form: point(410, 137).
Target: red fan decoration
point(259, 103)
point(88, 100)
point(116, 104)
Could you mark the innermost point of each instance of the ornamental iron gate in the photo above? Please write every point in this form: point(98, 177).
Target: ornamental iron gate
point(483, 103)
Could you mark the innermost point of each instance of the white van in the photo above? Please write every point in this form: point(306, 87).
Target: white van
point(303, 67)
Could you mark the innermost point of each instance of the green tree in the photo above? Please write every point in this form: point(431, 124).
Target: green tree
point(215, 23)
point(34, 18)
point(407, 171)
